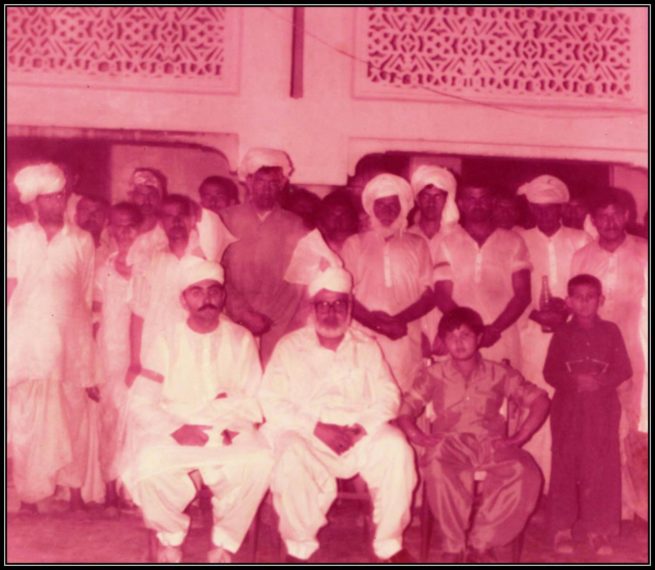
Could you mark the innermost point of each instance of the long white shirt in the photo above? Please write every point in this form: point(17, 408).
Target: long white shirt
point(390, 275)
point(482, 280)
point(196, 369)
point(49, 314)
point(305, 383)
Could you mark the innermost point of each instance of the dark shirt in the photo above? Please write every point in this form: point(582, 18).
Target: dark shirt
point(599, 350)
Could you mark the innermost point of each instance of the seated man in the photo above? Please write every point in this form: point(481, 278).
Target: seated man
point(469, 436)
point(328, 396)
point(193, 407)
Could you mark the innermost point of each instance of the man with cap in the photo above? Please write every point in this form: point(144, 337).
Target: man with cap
point(193, 407)
point(618, 259)
point(551, 247)
point(328, 396)
point(258, 297)
point(490, 270)
point(49, 288)
point(392, 270)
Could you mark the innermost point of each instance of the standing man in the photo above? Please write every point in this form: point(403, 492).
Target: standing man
point(194, 408)
point(551, 247)
point(618, 259)
point(490, 272)
point(49, 288)
point(328, 396)
point(257, 295)
point(217, 193)
point(391, 270)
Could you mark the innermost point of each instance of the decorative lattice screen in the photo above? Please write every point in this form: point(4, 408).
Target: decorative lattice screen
point(145, 47)
point(557, 54)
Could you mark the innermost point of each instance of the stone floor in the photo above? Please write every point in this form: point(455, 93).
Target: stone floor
point(92, 537)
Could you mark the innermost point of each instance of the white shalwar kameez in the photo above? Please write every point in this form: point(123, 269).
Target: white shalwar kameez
point(49, 352)
point(622, 274)
point(551, 257)
point(113, 291)
point(482, 280)
point(305, 383)
point(208, 379)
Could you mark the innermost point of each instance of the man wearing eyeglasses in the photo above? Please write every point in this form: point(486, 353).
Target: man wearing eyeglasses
point(328, 396)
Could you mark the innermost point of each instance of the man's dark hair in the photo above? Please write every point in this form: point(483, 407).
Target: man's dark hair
point(96, 199)
point(612, 197)
point(473, 183)
point(461, 316)
point(225, 183)
point(179, 199)
point(584, 279)
point(128, 208)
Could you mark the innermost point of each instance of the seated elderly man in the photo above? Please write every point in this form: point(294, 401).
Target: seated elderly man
point(193, 407)
point(328, 396)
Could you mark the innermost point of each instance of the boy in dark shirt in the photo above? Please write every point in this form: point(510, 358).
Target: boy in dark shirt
point(586, 361)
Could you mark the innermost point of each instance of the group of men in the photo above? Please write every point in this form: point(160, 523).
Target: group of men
point(229, 344)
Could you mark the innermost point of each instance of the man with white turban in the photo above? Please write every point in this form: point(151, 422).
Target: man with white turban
point(194, 408)
point(490, 271)
point(328, 396)
point(258, 296)
point(618, 259)
point(434, 189)
point(551, 247)
point(49, 288)
point(392, 270)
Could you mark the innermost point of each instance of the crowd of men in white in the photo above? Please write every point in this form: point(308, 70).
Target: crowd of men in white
point(244, 349)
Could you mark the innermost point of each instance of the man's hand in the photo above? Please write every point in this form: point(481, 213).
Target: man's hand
point(422, 439)
point(504, 447)
point(490, 336)
point(191, 434)
point(93, 392)
point(132, 372)
point(387, 325)
point(586, 382)
point(338, 438)
point(256, 323)
point(548, 318)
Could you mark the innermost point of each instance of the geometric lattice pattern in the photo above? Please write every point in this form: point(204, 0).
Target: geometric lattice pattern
point(545, 52)
point(174, 43)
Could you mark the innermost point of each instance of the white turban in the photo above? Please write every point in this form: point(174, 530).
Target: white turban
point(146, 177)
point(333, 279)
point(38, 179)
point(194, 269)
point(440, 178)
point(257, 158)
point(382, 186)
point(545, 189)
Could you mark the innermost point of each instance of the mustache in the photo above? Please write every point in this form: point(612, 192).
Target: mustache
point(208, 306)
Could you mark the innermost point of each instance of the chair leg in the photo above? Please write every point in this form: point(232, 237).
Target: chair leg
point(426, 526)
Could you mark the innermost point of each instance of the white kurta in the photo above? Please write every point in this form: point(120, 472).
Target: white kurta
point(390, 275)
point(48, 355)
point(550, 257)
point(113, 291)
point(482, 280)
point(209, 379)
point(305, 383)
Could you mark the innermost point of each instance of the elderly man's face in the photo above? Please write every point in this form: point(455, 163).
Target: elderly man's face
point(215, 197)
point(91, 215)
point(51, 207)
point(204, 300)
point(431, 201)
point(148, 198)
point(176, 221)
point(332, 313)
point(123, 228)
point(265, 187)
point(475, 204)
point(547, 216)
point(610, 222)
point(387, 210)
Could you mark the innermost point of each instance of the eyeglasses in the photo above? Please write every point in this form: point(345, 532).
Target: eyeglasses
point(339, 306)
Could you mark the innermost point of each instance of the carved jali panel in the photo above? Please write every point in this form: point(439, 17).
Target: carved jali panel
point(145, 47)
point(499, 52)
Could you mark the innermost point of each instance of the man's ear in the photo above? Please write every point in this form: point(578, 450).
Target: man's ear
point(601, 301)
point(183, 301)
point(568, 303)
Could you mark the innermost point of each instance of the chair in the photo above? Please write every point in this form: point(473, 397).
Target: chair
point(513, 415)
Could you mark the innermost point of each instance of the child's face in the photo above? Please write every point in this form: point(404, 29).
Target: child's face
point(462, 343)
point(124, 229)
point(584, 301)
